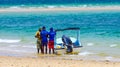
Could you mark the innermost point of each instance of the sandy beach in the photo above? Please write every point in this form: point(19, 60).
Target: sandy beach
point(52, 62)
point(9, 60)
point(35, 9)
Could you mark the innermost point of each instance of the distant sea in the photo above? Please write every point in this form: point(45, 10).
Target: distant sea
point(99, 30)
point(56, 3)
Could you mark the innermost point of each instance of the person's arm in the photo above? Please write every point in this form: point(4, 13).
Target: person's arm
point(47, 34)
point(37, 35)
point(55, 32)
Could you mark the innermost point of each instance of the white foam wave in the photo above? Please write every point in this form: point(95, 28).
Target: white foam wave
point(29, 46)
point(90, 44)
point(59, 40)
point(14, 7)
point(13, 45)
point(9, 41)
point(108, 58)
point(85, 53)
point(113, 45)
point(84, 5)
point(51, 6)
point(65, 6)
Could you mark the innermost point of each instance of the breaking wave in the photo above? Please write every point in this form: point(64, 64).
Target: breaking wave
point(9, 41)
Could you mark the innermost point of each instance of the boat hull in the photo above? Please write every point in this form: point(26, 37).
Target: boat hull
point(63, 51)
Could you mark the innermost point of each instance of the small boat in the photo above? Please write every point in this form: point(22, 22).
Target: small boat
point(76, 44)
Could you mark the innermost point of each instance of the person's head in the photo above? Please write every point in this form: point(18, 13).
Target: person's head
point(43, 28)
point(40, 29)
point(51, 29)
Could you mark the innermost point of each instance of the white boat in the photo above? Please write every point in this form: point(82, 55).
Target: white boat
point(60, 49)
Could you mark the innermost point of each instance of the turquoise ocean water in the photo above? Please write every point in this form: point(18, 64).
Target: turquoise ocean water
point(99, 30)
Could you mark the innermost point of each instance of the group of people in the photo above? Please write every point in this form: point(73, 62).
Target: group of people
point(45, 40)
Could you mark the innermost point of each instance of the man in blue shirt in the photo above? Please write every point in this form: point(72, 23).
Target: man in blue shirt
point(44, 35)
point(51, 35)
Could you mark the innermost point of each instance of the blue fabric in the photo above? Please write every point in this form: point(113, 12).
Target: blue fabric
point(52, 35)
point(66, 40)
point(44, 34)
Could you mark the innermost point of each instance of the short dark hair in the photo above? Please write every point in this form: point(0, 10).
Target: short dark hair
point(51, 29)
point(43, 27)
point(40, 29)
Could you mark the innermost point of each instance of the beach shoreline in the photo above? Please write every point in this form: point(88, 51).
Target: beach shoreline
point(7, 61)
point(35, 9)
point(16, 55)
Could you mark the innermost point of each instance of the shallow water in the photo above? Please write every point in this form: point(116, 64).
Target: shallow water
point(99, 32)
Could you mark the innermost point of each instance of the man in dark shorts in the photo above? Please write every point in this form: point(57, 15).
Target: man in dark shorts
point(44, 35)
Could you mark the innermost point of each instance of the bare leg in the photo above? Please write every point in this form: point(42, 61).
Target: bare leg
point(38, 50)
point(49, 51)
point(46, 49)
point(43, 49)
point(53, 51)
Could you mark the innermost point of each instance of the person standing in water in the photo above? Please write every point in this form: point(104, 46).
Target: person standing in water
point(39, 46)
point(44, 35)
point(51, 36)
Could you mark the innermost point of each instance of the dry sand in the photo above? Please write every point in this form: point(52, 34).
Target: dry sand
point(52, 62)
point(114, 8)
